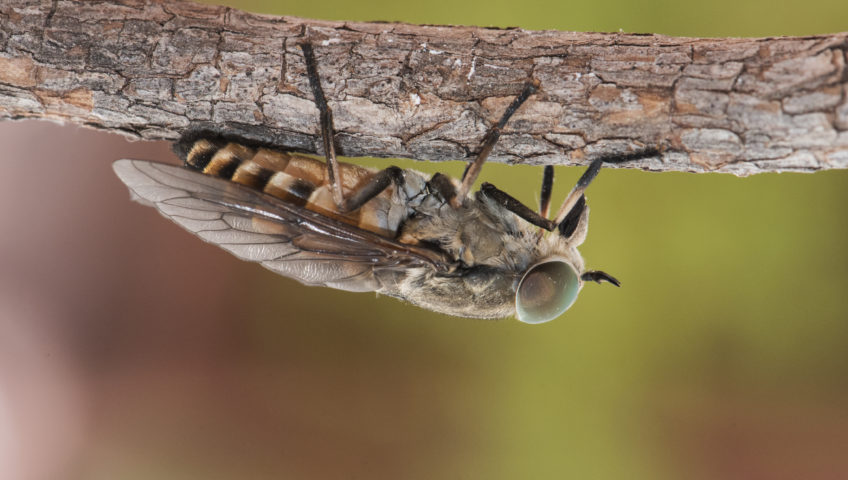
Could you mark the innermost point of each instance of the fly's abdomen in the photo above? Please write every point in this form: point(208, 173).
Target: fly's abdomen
point(296, 179)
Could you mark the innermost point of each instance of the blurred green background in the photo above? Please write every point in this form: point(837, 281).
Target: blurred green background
point(723, 356)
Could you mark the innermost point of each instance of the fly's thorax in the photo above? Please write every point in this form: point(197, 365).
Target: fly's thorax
point(481, 292)
point(491, 291)
point(479, 232)
point(496, 250)
point(303, 181)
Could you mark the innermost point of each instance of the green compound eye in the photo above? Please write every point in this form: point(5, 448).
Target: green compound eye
point(546, 291)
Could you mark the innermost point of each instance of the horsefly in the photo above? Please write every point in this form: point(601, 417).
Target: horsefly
point(401, 233)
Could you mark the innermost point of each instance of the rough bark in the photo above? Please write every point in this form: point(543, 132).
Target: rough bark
point(151, 69)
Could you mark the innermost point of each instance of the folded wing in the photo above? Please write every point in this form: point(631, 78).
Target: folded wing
point(288, 239)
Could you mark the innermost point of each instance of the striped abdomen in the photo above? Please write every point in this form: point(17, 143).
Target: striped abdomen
point(295, 179)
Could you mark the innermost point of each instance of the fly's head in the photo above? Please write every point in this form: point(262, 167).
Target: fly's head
point(553, 280)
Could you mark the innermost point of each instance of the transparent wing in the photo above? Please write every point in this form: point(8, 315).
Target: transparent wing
point(290, 240)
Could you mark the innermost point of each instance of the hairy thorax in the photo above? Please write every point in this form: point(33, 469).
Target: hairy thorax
point(492, 249)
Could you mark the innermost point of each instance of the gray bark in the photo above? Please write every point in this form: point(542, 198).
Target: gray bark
point(151, 68)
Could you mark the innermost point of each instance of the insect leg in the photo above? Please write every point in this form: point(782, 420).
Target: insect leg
point(576, 195)
point(627, 157)
point(326, 117)
point(442, 184)
point(566, 227)
point(547, 189)
point(569, 225)
point(513, 205)
point(491, 138)
point(577, 192)
point(376, 184)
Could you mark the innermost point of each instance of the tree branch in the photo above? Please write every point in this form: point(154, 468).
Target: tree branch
point(152, 68)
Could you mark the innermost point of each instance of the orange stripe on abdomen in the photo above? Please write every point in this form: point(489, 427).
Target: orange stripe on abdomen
point(295, 179)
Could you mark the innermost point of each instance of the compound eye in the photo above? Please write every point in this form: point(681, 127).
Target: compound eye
point(546, 291)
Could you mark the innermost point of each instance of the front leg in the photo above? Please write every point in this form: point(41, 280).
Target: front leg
point(515, 206)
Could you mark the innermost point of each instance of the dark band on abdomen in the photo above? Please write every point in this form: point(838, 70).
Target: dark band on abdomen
point(224, 168)
point(234, 162)
point(299, 181)
point(201, 154)
point(300, 188)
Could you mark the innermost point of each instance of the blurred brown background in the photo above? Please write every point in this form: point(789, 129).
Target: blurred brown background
point(130, 349)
